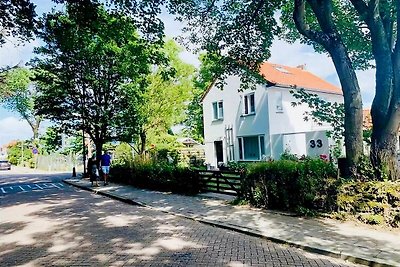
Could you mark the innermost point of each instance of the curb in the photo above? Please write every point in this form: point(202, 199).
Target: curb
point(242, 230)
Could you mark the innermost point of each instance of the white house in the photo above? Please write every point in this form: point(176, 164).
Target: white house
point(261, 123)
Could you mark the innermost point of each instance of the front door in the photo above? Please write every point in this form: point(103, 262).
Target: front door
point(219, 151)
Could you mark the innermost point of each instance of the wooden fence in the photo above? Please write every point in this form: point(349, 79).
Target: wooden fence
point(224, 182)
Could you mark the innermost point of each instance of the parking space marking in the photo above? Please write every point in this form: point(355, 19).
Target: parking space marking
point(31, 187)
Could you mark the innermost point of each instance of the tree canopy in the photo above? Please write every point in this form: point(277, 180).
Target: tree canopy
point(165, 98)
point(17, 19)
point(17, 93)
point(91, 71)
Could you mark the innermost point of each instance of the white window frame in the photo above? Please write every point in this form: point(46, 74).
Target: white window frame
point(218, 110)
point(249, 109)
point(261, 147)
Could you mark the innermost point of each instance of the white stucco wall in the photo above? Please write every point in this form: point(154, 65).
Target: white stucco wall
point(282, 127)
point(287, 125)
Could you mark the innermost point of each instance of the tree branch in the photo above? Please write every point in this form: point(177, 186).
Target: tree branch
point(299, 14)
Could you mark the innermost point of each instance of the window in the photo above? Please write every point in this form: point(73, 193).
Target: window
point(251, 147)
point(279, 104)
point(249, 104)
point(218, 109)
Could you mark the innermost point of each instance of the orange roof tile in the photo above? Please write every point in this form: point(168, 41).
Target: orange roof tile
point(291, 77)
point(296, 77)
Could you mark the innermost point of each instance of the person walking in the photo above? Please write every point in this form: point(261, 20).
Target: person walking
point(105, 166)
point(93, 170)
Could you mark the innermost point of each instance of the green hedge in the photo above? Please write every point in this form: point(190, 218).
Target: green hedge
point(299, 186)
point(161, 177)
point(371, 202)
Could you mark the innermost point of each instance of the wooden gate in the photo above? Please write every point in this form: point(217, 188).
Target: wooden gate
point(224, 182)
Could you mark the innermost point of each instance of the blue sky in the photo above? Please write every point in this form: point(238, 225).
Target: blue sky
point(11, 127)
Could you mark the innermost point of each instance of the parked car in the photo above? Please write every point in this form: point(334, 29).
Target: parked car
point(5, 165)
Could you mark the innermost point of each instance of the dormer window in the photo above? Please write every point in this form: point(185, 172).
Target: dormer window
point(218, 110)
point(249, 104)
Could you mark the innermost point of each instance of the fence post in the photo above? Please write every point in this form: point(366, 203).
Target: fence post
point(218, 174)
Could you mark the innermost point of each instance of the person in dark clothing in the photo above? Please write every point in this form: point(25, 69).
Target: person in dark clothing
point(93, 171)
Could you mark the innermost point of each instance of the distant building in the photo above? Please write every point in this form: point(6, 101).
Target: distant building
point(260, 124)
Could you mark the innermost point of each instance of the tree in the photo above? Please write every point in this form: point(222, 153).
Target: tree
point(352, 32)
point(165, 98)
point(91, 68)
point(18, 92)
point(17, 19)
point(194, 113)
point(51, 140)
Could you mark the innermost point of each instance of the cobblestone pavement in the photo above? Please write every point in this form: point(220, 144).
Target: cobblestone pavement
point(76, 228)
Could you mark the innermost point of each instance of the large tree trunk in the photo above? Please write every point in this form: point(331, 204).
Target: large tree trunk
point(384, 149)
point(99, 150)
point(330, 39)
point(353, 119)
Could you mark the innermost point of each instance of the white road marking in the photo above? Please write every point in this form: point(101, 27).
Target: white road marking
point(39, 186)
point(30, 187)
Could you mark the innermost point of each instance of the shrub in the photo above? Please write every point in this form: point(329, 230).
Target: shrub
point(123, 156)
point(161, 176)
point(292, 185)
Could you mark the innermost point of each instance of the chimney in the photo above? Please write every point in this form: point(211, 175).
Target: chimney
point(302, 67)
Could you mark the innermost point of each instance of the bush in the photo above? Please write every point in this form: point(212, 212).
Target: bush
point(372, 202)
point(161, 176)
point(292, 185)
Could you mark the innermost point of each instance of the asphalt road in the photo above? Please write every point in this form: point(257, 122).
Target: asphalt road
point(44, 222)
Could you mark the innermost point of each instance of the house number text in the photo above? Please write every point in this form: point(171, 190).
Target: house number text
point(314, 143)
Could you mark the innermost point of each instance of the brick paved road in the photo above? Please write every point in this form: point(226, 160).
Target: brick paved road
point(69, 227)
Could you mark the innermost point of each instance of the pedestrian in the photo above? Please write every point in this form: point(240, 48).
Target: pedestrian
point(105, 166)
point(93, 170)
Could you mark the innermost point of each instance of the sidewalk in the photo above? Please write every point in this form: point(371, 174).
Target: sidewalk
point(356, 243)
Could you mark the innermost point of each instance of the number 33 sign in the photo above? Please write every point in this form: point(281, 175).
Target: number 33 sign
point(314, 143)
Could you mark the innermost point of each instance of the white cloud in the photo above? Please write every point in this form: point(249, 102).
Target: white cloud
point(11, 128)
point(12, 54)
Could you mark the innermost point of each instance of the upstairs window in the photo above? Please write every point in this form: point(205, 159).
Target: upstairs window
point(249, 104)
point(218, 110)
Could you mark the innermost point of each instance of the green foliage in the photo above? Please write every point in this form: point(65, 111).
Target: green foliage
point(92, 70)
point(347, 22)
point(50, 141)
point(371, 202)
point(301, 186)
point(20, 154)
point(17, 19)
point(365, 170)
point(122, 156)
point(237, 166)
point(237, 34)
point(150, 174)
point(286, 155)
point(164, 100)
point(17, 92)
